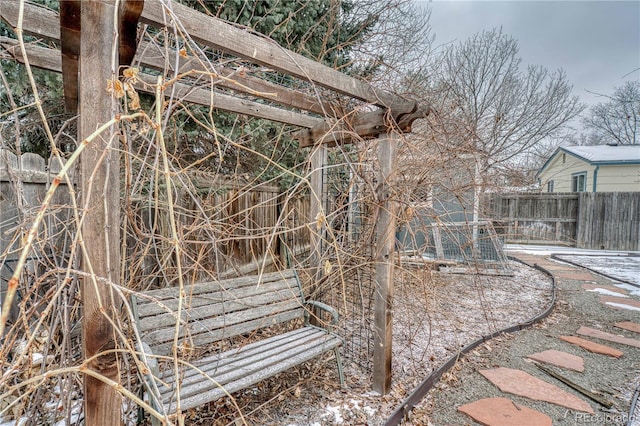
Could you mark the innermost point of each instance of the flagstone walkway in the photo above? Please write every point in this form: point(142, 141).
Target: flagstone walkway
point(586, 349)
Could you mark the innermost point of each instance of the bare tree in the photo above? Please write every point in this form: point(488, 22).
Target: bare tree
point(491, 107)
point(618, 119)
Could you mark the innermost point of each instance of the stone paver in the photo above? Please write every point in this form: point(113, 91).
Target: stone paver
point(628, 325)
point(572, 275)
point(502, 412)
point(612, 289)
point(594, 347)
point(612, 301)
point(556, 268)
point(521, 383)
point(559, 359)
point(599, 334)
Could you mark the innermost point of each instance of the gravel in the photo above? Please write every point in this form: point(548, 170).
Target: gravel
point(616, 379)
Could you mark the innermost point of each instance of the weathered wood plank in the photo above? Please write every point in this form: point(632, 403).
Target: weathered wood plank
point(49, 59)
point(216, 362)
point(149, 312)
point(38, 20)
point(99, 168)
point(384, 263)
point(160, 58)
point(208, 287)
point(270, 367)
point(201, 96)
point(366, 125)
point(227, 309)
point(39, 57)
point(164, 342)
point(237, 362)
point(44, 22)
point(220, 35)
point(318, 161)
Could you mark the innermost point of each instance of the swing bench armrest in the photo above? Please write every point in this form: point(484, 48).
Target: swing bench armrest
point(323, 306)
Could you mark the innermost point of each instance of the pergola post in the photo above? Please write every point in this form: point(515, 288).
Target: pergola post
point(318, 162)
point(100, 191)
point(385, 230)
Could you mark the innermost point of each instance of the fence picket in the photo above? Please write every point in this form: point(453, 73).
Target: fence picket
point(600, 220)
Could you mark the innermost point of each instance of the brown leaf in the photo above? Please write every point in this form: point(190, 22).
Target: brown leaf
point(115, 88)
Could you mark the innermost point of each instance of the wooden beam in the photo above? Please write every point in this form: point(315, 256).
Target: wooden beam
point(157, 57)
point(359, 126)
point(49, 59)
point(39, 57)
point(201, 96)
point(38, 20)
point(70, 50)
point(100, 171)
point(385, 228)
point(43, 22)
point(220, 35)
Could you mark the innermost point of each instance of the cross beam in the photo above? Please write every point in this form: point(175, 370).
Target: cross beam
point(49, 59)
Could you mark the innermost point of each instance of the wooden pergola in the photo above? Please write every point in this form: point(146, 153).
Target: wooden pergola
point(87, 61)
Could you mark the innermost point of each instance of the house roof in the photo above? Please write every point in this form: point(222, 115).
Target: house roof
point(600, 154)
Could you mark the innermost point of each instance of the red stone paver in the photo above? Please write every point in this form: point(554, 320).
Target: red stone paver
point(599, 334)
point(594, 347)
point(559, 359)
point(620, 300)
point(594, 287)
point(557, 268)
point(524, 384)
point(628, 325)
point(502, 412)
point(580, 276)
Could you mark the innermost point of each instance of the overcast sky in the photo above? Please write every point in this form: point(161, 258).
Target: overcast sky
point(597, 43)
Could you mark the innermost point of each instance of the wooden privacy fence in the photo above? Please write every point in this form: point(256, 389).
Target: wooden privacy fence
point(226, 229)
point(609, 220)
point(24, 181)
point(600, 220)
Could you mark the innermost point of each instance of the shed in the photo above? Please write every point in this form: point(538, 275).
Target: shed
point(599, 168)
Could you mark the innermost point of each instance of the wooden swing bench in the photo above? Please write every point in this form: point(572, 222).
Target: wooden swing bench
point(214, 312)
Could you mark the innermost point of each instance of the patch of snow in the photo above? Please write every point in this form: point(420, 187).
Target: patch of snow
point(549, 250)
point(623, 306)
point(335, 412)
point(351, 409)
point(605, 153)
point(606, 292)
point(20, 422)
point(625, 268)
point(75, 418)
point(632, 289)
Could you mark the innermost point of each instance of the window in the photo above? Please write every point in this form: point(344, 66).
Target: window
point(564, 158)
point(579, 182)
point(550, 186)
